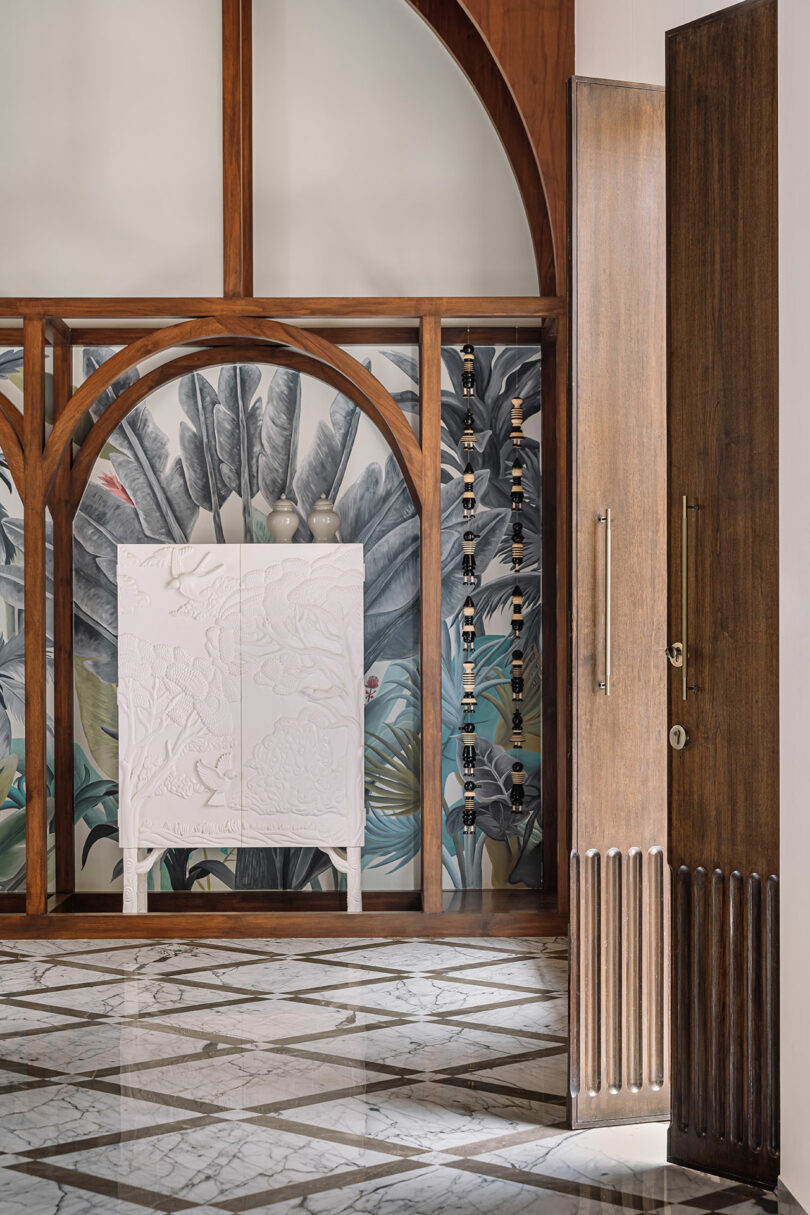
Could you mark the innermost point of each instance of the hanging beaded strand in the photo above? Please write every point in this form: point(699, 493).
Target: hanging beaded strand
point(468, 702)
point(517, 739)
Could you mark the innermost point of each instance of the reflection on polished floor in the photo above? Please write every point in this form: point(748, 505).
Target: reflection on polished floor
point(308, 1076)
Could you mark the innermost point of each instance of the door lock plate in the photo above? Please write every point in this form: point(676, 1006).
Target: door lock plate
point(678, 738)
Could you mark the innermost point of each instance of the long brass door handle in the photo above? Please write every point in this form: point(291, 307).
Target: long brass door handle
point(678, 651)
point(607, 520)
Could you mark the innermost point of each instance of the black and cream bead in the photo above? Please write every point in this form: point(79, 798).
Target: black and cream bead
point(468, 434)
point(468, 541)
point(517, 611)
point(468, 624)
point(468, 753)
point(468, 370)
point(518, 777)
point(517, 675)
point(468, 493)
point(517, 545)
point(516, 416)
point(517, 486)
point(518, 738)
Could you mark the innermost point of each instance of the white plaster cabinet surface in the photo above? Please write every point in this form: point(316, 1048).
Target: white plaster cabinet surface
point(240, 700)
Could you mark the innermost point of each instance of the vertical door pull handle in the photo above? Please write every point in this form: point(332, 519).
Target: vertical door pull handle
point(679, 651)
point(606, 519)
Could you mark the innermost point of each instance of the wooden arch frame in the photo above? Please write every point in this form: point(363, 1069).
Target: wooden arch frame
point(212, 356)
point(517, 58)
point(362, 386)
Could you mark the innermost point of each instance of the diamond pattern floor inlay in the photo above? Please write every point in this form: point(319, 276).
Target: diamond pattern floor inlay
point(316, 1077)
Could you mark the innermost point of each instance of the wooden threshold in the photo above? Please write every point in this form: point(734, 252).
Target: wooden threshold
point(188, 925)
point(267, 913)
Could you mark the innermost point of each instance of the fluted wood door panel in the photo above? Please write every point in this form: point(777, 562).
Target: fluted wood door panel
point(723, 578)
point(619, 889)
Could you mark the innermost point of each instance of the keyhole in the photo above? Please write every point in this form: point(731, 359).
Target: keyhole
point(678, 738)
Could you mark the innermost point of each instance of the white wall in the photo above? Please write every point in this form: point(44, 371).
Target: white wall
point(110, 180)
point(377, 170)
point(794, 565)
point(624, 39)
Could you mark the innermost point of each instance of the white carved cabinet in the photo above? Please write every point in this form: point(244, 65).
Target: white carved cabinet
point(240, 701)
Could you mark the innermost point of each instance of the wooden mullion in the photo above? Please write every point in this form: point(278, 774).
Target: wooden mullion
point(36, 815)
point(246, 144)
point(62, 516)
point(430, 422)
point(237, 158)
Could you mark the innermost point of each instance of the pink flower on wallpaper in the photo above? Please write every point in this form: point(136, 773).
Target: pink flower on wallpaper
point(111, 482)
point(372, 683)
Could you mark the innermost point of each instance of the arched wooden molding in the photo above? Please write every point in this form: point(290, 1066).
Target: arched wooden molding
point(377, 401)
point(11, 429)
point(518, 58)
point(214, 356)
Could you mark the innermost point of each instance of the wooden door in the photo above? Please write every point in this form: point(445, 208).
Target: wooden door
point(618, 985)
point(723, 577)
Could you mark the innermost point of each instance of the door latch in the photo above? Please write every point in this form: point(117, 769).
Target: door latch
point(674, 653)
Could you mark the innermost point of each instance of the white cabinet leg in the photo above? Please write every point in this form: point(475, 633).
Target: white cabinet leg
point(131, 881)
point(137, 863)
point(354, 874)
point(143, 882)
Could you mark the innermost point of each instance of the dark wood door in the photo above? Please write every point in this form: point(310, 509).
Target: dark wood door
point(619, 1067)
point(723, 579)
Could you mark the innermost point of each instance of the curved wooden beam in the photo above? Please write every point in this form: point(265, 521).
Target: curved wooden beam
point(11, 425)
point(464, 39)
point(377, 401)
point(213, 356)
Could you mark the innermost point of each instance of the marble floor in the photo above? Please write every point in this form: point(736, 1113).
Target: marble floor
point(308, 1076)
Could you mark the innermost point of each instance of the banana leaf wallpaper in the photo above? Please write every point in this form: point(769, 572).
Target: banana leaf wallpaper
point(202, 460)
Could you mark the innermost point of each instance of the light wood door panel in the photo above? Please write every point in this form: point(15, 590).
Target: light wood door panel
point(619, 1068)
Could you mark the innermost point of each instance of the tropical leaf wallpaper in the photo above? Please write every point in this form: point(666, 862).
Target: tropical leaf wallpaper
point(202, 459)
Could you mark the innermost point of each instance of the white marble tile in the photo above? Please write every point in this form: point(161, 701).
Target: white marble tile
point(425, 1045)
point(251, 1078)
point(225, 1160)
point(86, 1049)
point(267, 1020)
point(164, 957)
point(53, 948)
point(131, 997)
point(438, 1189)
point(59, 1113)
point(546, 1016)
point(532, 945)
point(16, 1019)
point(280, 975)
point(632, 1159)
point(532, 974)
point(30, 977)
point(21, 1194)
point(416, 955)
point(420, 995)
point(547, 1075)
point(427, 1115)
point(296, 945)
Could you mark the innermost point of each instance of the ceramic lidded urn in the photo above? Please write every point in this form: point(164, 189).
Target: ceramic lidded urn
point(323, 521)
point(282, 522)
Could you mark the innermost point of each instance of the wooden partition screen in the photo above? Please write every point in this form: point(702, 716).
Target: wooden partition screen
point(52, 469)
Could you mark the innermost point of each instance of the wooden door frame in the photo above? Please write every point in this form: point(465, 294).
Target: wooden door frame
point(51, 471)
